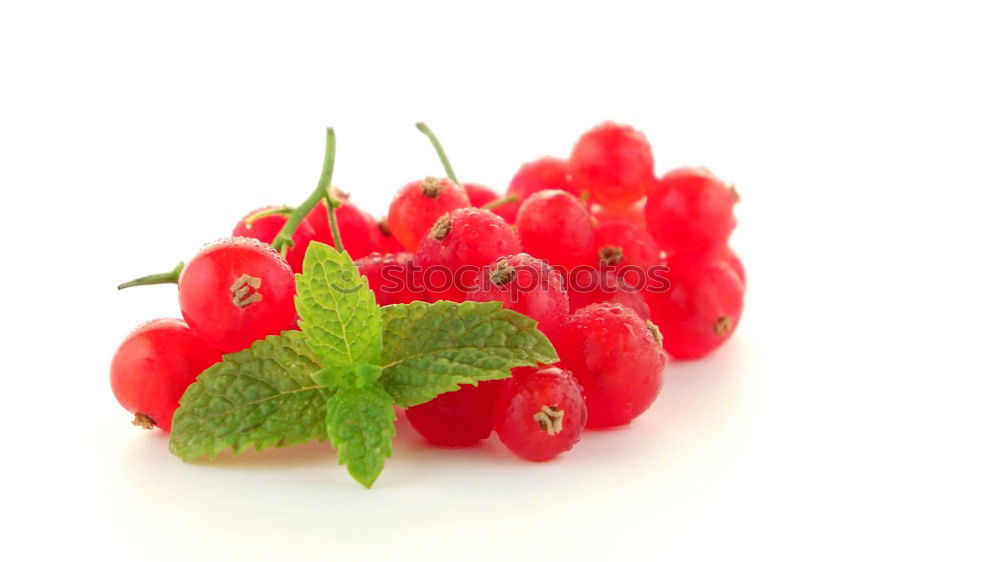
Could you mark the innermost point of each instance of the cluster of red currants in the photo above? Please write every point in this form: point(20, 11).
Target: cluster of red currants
point(620, 269)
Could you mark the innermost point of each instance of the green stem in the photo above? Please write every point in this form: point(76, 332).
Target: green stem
point(283, 211)
point(423, 128)
point(501, 201)
point(332, 204)
point(156, 279)
point(283, 240)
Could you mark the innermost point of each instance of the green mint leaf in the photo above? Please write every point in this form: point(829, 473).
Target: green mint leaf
point(261, 397)
point(355, 377)
point(361, 424)
point(429, 349)
point(337, 310)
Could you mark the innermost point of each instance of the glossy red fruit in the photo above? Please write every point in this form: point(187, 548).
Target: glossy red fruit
point(357, 228)
point(690, 209)
point(556, 227)
point(616, 356)
point(620, 243)
point(266, 228)
point(588, 286)
point(614, 164)
point(539, 175)
point(418, 205)
point(480, 196)
point(527, 285)
point(635, 213)
point(236, 291)
point(702, 307)
point(540, 413)
point(726, 254)
point(458, 246)
point(392, 277)
point(457, 419)
point(386, 243)
point(154, 366)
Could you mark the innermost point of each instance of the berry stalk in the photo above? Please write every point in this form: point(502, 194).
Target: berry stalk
point(513, 198)
point(283, 240)
point(156, 279)
point(423, 128)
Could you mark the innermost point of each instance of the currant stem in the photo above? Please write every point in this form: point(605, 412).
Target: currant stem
point(283, 211)
point(501, 201)
point(283, 240)
point(332, 204)
point(156, 279)
point(423, 128)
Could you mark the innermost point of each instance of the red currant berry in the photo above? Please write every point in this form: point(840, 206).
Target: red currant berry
point(614, 164)
point(266, 228)
point(392, 277)
point(461, 243)
point(589, 286)
point(540, 413)
point(526, 285)
point(539, 175)
point(457, 419)
point(556, 227)
point(357, 228)
point(479, 195)
point(154, 366)
point(385, 241)
point(236, 291)
point(418, 205)
point(726, 254)
point(702, 307)
point(690, 209)
point(616, 356)
point(620, 243)
point(635, 214)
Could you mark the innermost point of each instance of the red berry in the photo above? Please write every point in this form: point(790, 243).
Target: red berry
point(539, 175)
point(457, 419)
point(392, 277)
point(526, 285)
point(635, 214)
point(690, 209)
point(154, 366)
point(357, 228)
point(590, 286)
point(620, 243)
point(266, 228)
point(460, 244)
point(614, 164)
point(540, 413)
point(726, 254)
point(418, 205)
point(702, 307)
point(616, 356)
point(479, 195)
point(556, 227)
point(236, 291)
point(385, 241)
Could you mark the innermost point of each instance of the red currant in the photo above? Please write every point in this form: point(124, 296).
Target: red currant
point(461, 243)
point(538, 175)
point(386, 243)
point(690, 209)
point(457, 419)
point(357, 228)
point(540, 413)
point(236, 291)
point(556, 227)
point(266, 228)
point(635, 214)
point(702, 307)
point(392, 277)
point(526, 285)
point(154, 366)
point(418, 205)
point(620, 243)
point(616, 356)
point(614, 164)
point(479, 195)
point(726, 254)
point(589, 286)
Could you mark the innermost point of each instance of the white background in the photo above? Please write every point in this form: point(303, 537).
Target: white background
point(853, 415)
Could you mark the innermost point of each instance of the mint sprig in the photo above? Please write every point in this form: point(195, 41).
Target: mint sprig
point(341, 376)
